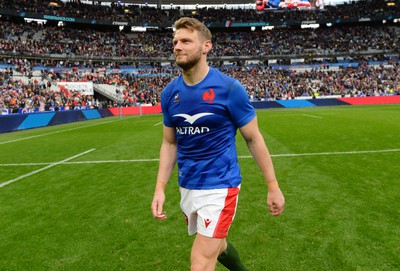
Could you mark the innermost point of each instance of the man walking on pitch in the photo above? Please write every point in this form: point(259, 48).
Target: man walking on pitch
point(202, 109)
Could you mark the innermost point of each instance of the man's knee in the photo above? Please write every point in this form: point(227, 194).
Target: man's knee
point(201, 263)
point(205, 252)
point(203, 260)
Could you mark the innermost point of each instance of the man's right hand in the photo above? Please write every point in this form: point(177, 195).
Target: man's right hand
point(157, 205)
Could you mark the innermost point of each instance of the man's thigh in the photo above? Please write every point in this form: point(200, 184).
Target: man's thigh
point(205, 251)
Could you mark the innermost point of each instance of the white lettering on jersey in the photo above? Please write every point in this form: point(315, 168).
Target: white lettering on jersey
point(190, 130)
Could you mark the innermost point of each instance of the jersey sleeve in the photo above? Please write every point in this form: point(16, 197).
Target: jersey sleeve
point(239, 105)
point(164, 107)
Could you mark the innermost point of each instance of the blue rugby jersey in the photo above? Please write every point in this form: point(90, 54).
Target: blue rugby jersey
point(206, 117)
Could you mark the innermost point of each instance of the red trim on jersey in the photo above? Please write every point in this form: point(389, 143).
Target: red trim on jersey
point(227, 214)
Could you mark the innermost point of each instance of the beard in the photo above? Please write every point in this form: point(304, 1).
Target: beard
point(191, 60)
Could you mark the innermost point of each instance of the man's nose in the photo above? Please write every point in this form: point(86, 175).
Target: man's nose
point(177, 46)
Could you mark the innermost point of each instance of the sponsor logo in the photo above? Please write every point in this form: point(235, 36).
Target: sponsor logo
point(207, 222)
point(65, 19)
point(192, 119)
point(191, 130)
point(120, 23)
point(176, 98)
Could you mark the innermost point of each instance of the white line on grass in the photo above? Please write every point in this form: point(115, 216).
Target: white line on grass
point(312, 116)
point(82, 162)
point(65, 162)
point(326, 153)
point(46, 167)
point(158, 123)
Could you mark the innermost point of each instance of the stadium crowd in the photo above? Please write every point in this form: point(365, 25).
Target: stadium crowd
point(35, 40)
point(146, 14)
point(67, 53)
point(262, 82)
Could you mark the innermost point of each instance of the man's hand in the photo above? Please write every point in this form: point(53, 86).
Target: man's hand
point(157, 205)
point(275, 201)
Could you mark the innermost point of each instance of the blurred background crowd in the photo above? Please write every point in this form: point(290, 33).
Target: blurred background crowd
point(131, 68)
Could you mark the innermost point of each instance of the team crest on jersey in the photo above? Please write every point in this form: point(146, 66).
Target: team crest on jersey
point(209, 96)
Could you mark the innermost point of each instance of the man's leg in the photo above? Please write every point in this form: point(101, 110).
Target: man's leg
point(214, 218)
point(205, 251)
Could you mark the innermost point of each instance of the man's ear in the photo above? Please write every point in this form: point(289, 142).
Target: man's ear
point(207, 47)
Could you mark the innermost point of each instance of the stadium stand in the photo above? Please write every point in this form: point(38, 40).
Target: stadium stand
point(354, 57)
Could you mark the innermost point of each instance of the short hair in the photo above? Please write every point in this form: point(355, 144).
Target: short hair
point(193, 24)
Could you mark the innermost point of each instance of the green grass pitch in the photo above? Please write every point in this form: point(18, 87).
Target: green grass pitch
point(77, 196)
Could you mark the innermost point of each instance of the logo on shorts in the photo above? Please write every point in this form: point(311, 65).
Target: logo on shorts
point(207, 222)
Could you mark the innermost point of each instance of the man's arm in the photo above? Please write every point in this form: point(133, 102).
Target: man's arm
point(167, 162)
point(256, 144)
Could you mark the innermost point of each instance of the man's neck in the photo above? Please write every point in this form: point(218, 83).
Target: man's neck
point(195, 75)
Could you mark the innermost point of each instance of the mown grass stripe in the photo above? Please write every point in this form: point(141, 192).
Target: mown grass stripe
point(45, 168)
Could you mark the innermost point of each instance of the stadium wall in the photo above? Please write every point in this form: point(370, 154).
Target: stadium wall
point(16, 122)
